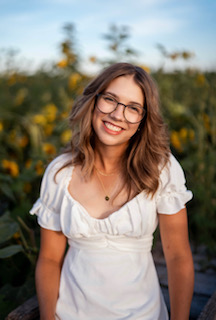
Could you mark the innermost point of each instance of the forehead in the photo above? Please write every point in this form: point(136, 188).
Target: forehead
point(124, 87)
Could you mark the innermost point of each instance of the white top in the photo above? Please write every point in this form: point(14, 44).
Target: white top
point(108, 272)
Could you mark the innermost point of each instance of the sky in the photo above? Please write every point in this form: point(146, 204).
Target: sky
point(35, 29)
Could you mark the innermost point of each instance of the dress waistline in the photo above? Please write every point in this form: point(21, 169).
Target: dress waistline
point(120, 243)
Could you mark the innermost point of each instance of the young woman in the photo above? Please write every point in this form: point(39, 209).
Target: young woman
point(105, 196)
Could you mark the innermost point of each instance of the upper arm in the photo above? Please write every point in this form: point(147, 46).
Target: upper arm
point(174, 235)
point(52, 245)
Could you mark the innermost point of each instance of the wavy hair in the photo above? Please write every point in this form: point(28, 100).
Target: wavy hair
point(148, 150)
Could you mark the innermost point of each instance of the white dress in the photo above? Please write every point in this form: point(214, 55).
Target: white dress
point(108, 272)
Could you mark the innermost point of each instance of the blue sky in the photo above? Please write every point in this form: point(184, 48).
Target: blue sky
point(34, 27)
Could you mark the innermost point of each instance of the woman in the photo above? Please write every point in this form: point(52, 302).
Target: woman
point(105, 196)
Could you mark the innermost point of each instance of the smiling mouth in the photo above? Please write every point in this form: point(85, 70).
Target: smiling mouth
point(112, 127)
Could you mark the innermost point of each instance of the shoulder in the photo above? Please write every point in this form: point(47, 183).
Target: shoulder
point(56, 172)
point(59, 161)
point(58, 165)
point(54, 178)
point(172, 171)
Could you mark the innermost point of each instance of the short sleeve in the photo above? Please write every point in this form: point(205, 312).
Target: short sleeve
point(47, 207)
point(173, 194)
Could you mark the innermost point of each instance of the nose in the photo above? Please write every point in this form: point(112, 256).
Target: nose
point(118, 113)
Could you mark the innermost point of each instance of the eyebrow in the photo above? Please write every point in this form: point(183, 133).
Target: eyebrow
point(115, 96)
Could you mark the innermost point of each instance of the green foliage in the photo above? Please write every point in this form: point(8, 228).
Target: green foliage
point(33, 128)
point(18, 253)
point(189, 105)
point(10, 251)
point(118, 49)
point(117, 38)
point(8, 227)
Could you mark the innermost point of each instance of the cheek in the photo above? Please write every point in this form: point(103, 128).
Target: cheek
point(134, 128)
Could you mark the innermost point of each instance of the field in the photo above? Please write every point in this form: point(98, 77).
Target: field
point(33, 129)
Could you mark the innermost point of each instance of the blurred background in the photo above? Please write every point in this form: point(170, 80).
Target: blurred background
point(49, 50)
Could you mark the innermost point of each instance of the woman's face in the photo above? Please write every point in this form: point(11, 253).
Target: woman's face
point(113, 129)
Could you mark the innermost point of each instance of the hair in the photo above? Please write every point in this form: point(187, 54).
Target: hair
point(148, 150)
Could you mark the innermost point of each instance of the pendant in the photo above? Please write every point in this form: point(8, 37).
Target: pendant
point(107, 198)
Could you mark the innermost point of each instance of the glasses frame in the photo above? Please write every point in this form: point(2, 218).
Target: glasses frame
point(122, 104)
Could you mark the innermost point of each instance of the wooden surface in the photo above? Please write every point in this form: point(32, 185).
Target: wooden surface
point(27, 311)
point(209, 312)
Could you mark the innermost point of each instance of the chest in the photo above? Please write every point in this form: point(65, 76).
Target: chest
point(92, 194)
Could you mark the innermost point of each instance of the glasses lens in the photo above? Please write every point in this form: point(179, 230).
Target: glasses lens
point(134, 113)
point(106, 103)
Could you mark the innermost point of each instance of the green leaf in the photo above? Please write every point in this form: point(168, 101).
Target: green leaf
point(10, 251)
point(8, 227)
point(7, 191)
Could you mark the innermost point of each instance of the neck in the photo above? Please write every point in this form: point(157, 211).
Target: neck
point(108, 158)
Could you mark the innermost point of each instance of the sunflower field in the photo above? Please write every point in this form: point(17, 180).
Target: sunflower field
point(34, 128)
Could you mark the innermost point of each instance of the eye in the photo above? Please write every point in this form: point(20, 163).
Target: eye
point(109, 99)
point(135, 109)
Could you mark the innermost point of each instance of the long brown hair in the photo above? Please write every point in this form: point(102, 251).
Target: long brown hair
point(148, 149)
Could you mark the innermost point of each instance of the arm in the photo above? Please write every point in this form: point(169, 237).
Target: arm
point(176, 247)
point(48, 269)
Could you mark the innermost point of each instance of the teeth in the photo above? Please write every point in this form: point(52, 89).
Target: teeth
point(112, 127)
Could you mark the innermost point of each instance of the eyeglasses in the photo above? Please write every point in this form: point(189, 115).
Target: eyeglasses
point(107, 104)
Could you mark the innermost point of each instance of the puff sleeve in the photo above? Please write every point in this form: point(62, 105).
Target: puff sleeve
point(48, 206)
point(173, 194)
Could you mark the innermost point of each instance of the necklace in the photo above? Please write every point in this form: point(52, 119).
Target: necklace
point(106, 195)
point(105, 174)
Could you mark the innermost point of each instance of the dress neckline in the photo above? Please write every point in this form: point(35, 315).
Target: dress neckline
point(85, 211)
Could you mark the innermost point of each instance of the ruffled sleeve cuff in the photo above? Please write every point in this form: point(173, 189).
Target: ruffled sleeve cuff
point(46, 218)
point(173, 194)
point(173, 202)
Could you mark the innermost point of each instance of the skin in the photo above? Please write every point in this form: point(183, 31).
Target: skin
point(179, 261)
point(110, 144)
point(126, 91)
point(48, 270)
